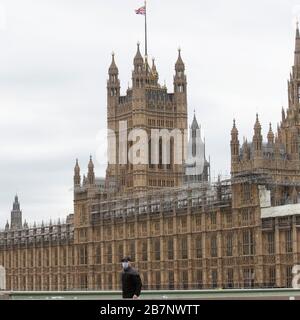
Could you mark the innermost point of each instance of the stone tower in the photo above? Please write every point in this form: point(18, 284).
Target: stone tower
point(16, 215)
point(197, 168)
point(147, 105)
point(277, 158)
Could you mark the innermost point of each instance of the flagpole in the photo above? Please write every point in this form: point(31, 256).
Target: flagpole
point(146, 47)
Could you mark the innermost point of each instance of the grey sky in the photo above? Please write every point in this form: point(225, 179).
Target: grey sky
point(53, 68)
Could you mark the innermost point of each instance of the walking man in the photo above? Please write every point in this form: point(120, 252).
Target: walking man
point(131, 280)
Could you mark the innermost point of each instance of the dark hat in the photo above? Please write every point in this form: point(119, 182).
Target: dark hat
point(126, 259)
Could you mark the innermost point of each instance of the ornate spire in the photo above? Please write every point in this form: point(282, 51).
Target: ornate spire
point(179, 63)
point(234, 130)
point(138, 59)
point(297, 47)
point(257, 125)
point(91, 164)
point(77, 178)
point(16, 204)
point(257, 138)
point(77, 168)
point(16, 215)
point(91, 174)
point(270, 135)
point(195, 125)
point(113, 69)
point(234, 144)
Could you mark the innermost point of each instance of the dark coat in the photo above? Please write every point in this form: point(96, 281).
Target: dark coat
point(131, 283)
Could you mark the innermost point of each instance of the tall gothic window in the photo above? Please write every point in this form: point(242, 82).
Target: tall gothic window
point(246, 192)
point(184, 248)
point(109, 253)
point(248, 274)
point(171, 280)
point(229, 245)
point(199, 279)
point(83, 255)
point(156, 249)
point(288, 241)
point(170, 249)
point(272, 277)
point(289, 276)
point(213, 246)
point(270, 243)
point(144, 251)
point(184, 279)
point(198, 246)
point(229, 278)
point(214, 279)
point(248, 242)
point(98, 254)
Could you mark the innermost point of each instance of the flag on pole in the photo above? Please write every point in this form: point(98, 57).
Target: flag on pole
point(141, 10)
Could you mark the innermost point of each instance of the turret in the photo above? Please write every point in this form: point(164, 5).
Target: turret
point(257, 138)
point(297, 47)
point(138, 74)
point(113, 87)
point(180, 84)
point(234, 143)
point(77, 178)
point(16, 215)
point(180, 77)
point(113, 83)
point(294, 83)
point(270, 135)
point(91, 174)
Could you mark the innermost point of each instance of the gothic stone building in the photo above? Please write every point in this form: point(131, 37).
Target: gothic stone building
point(238, 233)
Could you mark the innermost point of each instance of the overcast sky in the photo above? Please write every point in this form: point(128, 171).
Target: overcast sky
point(53, 69)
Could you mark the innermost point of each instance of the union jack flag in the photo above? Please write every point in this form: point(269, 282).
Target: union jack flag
point(141, 10)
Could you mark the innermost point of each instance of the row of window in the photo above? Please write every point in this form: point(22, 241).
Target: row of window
point(160, 123)
point(286, 246)
point(161, 183)
point(228, 278)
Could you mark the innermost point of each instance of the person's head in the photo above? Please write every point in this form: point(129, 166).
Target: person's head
point(126, 262)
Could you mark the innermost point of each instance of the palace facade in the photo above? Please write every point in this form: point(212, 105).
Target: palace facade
point(182, 232)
